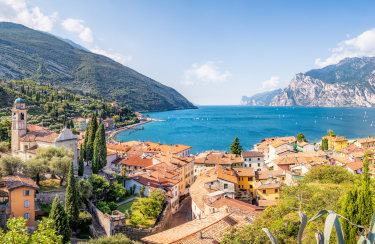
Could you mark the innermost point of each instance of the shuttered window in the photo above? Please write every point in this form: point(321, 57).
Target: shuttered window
point(27, 215)
point(27, 203)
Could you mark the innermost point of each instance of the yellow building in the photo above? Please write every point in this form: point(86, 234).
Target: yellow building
point(268, 187)
point(246, 180)
point(17, 197)
point(365, 143)
point(337, 143)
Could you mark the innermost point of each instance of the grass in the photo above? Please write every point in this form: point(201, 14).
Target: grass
point(51, 185)
point(124, 198)
point(127, 206)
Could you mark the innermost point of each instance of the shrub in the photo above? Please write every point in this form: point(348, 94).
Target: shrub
point(84, 221)
point(103, 206)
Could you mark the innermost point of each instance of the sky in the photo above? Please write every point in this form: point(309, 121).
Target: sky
point(213, 52)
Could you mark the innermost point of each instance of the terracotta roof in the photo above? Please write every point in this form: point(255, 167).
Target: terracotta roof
point(277, 143)
point(16, 181)
point(130, 143)
point(365, 140)
point(217, 158)
point(79, 120)
point(136, 161)
point(32, 149)
point(136, 150)
point(46, 136)
point(245, 171)
point(285, 150)
point(266, 203)
point(36, 128)
point(286, 159)
point(355, 165)
point(267, 186)
point(263, 175)
point(111, 146)
point(263, 145)
point(236, 204)
point(156, 147)
point(338, 158)
point(210, 226)
point(302, 143)
point(154, 179)
point(251, 154)
point(335, 139)
point(351, 149)
point(226, 174)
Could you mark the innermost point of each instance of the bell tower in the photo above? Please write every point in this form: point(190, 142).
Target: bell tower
point(19, 122)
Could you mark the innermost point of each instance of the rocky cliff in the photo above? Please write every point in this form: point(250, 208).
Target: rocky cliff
point(259, 99)
point(350, 83)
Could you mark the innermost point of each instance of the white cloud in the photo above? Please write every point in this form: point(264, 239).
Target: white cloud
point(207, 72)
point(17, 11)
point(270, 84)
point(116, 57)
point(362, 45)
point(75, 25)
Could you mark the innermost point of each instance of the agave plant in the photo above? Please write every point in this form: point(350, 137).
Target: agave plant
point(367, 236)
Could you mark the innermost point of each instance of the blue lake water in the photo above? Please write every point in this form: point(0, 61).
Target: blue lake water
point(215, 127)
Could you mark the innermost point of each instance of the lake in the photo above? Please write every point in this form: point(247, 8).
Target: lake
point(215, 127)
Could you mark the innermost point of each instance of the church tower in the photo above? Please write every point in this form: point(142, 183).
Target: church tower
point(19, 122)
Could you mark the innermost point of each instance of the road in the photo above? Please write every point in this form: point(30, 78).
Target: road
point(183, 215)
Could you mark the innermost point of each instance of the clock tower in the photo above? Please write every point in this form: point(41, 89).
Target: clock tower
point(19, 122)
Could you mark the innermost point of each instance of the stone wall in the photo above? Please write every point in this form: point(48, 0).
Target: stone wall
point(48, 196)
point(102, 219)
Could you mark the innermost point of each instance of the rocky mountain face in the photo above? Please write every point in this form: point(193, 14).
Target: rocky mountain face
point(259, 99)
point(350, 83)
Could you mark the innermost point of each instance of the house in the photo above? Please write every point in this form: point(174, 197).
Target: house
point(306, 163)
point(80, 124)
point(183, 165)
point(205, 230)
point(355, 167)
point(24, 144)
point(336, 143)
point(17, 197)
point(109, 123)
point(302, 146)
point(269, 191)
point(253, 159)
point(279, 148)
point(132, 164)
point(84, 101)
point(214, 158)
point(61, 92)
point(365, 143)
point(166, 181)
point(152, 148)
point(117, 148)
point(357, 153)
point(245, 182)
point(263, 148)
point(336, 159)
point(224, 179)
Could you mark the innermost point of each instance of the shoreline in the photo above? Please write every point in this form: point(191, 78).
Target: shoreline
point(123, 129)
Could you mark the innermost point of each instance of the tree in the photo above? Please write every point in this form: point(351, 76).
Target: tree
point(60, 220)
point(81, 165)
point(153, 205)
point(35, 167)
point(10, 165)
point(330, 133)
point(118, 238)
point(325, 144)
point(365, 208)
point(18, 234)
point(101, 147)
point(84, 147)
point(71, 199)
point(59, 160)
point(142, 191)
point(235, 147)
point(350, 211)
point(301, 137)
point(123, 174)
point(3, 146)
point(95, 160)
point(91, 138)
point(84, 189)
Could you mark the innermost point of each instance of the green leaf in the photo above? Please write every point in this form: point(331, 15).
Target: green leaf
point(270, 236)
point(362, 238)
point(302, 227)
point(371, 234)
point(332, 219)
point(320, 214)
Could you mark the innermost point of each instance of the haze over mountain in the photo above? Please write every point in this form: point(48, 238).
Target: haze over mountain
point(27, 53)
point(260, 99)
point(350, 83)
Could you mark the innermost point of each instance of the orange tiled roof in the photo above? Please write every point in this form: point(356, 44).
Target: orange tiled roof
point(226, 174)
point(154, 179)
point(302, 143)
point(156, 147)
point(277, 143)
point(245, 171)
point(236, 204)
point(263, 175)
point(338, 158)
point(335, 139)
point(111, 146)
point(36, 128)
point(46, 136)
point(355, 165)
point(261, 186)
point(366, 140)
point(136, 161)
point(16, 181)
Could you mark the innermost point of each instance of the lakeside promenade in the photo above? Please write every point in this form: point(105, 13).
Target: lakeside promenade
point(113, 134)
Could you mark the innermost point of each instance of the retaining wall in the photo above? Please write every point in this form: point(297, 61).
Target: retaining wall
point(48, 196)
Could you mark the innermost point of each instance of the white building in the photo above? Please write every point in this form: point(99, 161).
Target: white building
point(253, 159)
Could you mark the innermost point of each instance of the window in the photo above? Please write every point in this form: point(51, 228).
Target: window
point(251, 187)
point(264, 191)
point(244, 159)
point(258, 165)
point(250, 178)
point(27, 215)
point(225, 186)
point(22, 116)
point(26, 193)
point(242, 187)
point(258, 159)
point(282, 178)
point(249, 159)
point(27, 203)
point(276, 190)
point(26, 147)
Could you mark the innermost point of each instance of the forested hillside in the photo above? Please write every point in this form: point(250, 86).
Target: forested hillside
point(31, 54)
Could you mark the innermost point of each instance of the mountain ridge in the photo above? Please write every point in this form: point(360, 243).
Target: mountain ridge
point(350, 83)
point(259, 99)
point(31, 54)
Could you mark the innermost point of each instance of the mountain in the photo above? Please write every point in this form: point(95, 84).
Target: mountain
point(73, 44)
point(31, 54)
point(259, 99)
point(350, 83)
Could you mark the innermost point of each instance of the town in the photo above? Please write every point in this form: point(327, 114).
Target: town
point(149, 191)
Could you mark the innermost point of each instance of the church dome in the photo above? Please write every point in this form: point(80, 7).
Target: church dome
point(19, 100)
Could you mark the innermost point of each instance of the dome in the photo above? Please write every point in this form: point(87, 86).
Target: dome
point(19, 100)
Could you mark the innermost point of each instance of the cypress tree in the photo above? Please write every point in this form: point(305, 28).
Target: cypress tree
point(71, 200)
point(349, 210)
point(80, 162)
point(365, 208)
point(101, 147)
point(95, 160)
point(60, 220)
point(84, 146)
point(91, 138)
point(235, 147)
